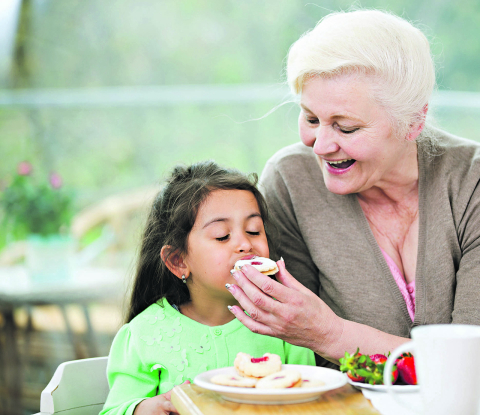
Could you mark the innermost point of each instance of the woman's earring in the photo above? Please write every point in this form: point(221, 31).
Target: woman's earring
point(184, 279)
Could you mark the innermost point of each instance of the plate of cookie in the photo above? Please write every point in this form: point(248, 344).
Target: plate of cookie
point(274, 383)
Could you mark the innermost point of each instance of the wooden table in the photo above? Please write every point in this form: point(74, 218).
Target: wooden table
point(193, 400)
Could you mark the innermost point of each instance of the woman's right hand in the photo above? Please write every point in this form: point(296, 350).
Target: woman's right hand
point(285, 309)
point(158, 405)
point(288, 310)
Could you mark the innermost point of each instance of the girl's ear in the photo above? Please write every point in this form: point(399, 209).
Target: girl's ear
point(174, 261)
point(417, 127)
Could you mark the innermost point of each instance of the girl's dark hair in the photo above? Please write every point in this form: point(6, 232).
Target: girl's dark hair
point(170, 221)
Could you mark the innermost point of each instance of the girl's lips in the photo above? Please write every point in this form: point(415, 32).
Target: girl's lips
point(248, 257)
point(337, 171)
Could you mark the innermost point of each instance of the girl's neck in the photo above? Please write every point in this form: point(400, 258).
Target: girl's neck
point(210, 313)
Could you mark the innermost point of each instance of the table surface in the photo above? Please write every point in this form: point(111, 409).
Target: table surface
point(83, 285)
point(194, 400)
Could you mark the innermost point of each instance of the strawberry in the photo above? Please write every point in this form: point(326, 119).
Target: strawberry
point(380, 360)
point(351, 363)
point(364, 368)
point(406, 368)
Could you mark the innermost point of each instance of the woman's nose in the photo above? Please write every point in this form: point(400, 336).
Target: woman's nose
point(325, 141)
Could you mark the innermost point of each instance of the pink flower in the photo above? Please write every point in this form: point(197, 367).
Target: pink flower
point(55, 180)
point(24, 168)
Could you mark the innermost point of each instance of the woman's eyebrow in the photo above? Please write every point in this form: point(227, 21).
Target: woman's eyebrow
point(340, 115)
point(346, 116)
point(304, 107)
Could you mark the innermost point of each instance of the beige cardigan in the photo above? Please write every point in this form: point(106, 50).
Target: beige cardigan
point(327, 244)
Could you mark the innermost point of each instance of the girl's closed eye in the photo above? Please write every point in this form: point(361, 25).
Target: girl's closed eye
point(253, 233)
point(223, 238)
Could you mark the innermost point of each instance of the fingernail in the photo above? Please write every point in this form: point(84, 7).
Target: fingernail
point(228, 286)
point(281, 259)
point(230, 308)
point(232, 271)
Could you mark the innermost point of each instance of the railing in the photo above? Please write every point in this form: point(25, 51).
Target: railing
point(167, 95)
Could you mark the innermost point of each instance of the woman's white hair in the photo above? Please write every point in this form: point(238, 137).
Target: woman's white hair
point(377, 44)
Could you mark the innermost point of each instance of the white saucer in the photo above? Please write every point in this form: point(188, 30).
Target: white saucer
point(383, 388)
point(333, 379)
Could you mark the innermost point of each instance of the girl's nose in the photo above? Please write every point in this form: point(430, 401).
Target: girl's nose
point(244, 244)
point(325, 141)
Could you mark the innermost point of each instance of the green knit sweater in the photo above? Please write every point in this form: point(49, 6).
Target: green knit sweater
point(161, 348)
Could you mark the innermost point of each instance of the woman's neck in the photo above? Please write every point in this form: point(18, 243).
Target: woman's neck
point(211, 312)
point(398, 187)
point(390, 195)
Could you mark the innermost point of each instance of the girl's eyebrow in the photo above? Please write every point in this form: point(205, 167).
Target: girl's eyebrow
point(253, 215)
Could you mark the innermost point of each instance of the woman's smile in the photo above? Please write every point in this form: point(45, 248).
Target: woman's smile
point(340, 166)
point(351, 134)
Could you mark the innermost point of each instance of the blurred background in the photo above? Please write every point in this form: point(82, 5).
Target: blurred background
point(110, 95)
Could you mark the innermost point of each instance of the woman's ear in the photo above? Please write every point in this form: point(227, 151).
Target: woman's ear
point(417, 127)
point(174, 261)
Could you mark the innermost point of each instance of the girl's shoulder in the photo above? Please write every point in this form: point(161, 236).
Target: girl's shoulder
point(161, 311)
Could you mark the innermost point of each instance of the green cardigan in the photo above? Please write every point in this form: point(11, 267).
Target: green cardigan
point(161, 348)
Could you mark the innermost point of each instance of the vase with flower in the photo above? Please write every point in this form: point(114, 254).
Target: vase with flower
point(39, 211)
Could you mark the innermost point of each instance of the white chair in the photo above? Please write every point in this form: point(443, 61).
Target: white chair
point(78, 387)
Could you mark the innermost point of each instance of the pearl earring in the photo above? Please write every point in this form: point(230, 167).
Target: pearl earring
point(184, 279)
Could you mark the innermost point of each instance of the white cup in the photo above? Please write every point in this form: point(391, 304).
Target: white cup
point(447, 364)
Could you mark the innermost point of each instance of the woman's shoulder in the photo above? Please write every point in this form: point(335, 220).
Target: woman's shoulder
point(452, 168)
point(292, 151)
point(449, 149)
point(292, 163)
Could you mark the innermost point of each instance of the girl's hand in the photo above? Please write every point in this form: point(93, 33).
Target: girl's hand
point(286, 310)
point(158, 405)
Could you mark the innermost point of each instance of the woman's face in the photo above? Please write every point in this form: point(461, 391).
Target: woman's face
point(352, 135)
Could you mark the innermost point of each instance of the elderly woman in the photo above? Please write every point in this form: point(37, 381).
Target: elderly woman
point(378, 214)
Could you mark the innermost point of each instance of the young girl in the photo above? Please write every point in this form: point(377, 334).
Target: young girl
point(203, 221)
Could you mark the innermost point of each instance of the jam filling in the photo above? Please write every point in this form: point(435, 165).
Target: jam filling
point(259, 359)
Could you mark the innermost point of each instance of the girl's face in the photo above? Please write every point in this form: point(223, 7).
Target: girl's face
point(228, 227)
point(351, 134)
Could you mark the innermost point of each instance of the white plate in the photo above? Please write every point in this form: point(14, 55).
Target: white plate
point(383, 388)
point(333, 379)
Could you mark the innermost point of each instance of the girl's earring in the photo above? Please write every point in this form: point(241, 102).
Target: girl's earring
point(184, 279)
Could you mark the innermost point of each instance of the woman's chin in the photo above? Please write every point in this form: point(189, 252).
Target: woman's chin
point(339, 187)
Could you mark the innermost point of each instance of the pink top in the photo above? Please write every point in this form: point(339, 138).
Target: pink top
point(407, 290)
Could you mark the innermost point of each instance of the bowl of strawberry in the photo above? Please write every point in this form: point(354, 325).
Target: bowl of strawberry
point(366, 371)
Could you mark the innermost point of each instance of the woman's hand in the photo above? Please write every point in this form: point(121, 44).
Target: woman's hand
point(158, 405)
point(286, 310)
